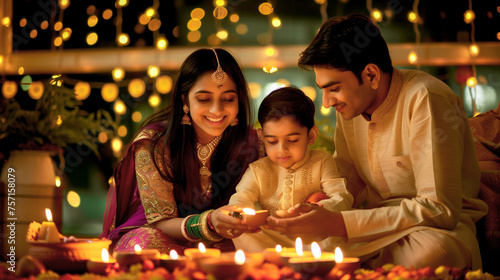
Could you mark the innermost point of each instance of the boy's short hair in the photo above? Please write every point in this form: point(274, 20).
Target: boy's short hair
point(287, 102)
point(349, 44)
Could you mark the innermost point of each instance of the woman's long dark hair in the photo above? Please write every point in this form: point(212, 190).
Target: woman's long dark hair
point(235, 151)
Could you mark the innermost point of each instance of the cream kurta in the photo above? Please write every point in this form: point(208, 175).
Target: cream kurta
point(412, 166)
point(276, 188)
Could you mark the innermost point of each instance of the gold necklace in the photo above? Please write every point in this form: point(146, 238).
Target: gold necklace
point(204, 153)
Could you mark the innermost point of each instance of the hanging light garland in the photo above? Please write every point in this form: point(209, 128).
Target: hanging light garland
point(414, 18)
point(267, 9)
point(469, 17)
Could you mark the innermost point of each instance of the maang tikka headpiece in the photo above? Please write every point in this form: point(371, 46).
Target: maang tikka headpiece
point(219, 76)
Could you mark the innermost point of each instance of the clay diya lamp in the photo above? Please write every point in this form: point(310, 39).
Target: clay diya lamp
point(254, 218)
point(173, 260)
point(101, 266)
point(225, 268)
point(344, 265)
point(319, 264)
point(139, 255)
point(298, 251)
point(201, 253)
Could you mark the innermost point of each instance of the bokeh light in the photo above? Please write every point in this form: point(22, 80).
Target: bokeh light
point(119, 107)
point(82, 90)
point(136, 88)
point(197, 13)
point(91, 38)
point(109, 92)
point(36, 90)
point(136, 116)
point(73, 199)
point(266, 8)
point(164, 84)
point(9, 89)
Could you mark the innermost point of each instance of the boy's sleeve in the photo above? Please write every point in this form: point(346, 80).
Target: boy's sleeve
point(247, 190)
point(334, 187)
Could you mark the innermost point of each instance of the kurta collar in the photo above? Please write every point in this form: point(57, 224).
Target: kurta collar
point(300, 163)
point(392, 95)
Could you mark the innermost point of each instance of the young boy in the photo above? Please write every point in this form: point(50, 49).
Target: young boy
point(290, 173)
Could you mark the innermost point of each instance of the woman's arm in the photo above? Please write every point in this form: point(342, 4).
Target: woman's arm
point(171, 226)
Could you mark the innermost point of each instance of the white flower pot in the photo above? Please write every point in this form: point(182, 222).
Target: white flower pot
point(28, 178)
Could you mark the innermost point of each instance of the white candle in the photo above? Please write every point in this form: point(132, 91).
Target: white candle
point(48, 231)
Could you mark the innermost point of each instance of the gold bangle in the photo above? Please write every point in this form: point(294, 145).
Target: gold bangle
point(207, 233)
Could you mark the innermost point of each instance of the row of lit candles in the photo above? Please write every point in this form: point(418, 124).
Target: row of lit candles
point(314, 261)
point(294, 257)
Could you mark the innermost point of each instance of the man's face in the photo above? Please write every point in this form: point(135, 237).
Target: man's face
point(343, 91)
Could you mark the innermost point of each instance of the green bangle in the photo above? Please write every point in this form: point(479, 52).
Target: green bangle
point(189, 228)
point(192, 227)
point(184, 229)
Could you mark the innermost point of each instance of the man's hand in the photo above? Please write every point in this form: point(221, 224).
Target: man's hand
point(309, 222)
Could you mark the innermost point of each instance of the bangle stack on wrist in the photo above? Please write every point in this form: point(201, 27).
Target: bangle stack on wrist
point(184, 231)
point(205, 227)
point(199, 227)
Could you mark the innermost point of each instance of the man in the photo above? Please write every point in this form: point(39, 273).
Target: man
point(403, 143)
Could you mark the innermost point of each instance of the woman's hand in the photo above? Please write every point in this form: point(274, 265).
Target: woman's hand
point(309, 222)
point(228, 226)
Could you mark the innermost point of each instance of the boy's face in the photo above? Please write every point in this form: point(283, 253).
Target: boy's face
point(286, 140)
point(342, 91)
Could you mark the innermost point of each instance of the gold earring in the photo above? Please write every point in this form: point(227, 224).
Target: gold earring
point(234, 122)
point(185, 119)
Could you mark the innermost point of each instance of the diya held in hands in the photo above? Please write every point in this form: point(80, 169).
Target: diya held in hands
point(254, 218)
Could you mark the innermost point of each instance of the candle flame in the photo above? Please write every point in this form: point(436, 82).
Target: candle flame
point(48, 214)
point(298, 246)
point(316, 250)
point(174, 255)
point(137, 248)
point(202, 248)
point(249, 211)
point(104, 255)
point(279, 248)
point(339, 257)
point(239, 257)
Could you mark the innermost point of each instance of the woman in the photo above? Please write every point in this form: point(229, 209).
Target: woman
point(185, 161)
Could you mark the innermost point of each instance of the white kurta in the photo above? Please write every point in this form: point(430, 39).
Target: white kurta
point(411, 167)
point(277, 188)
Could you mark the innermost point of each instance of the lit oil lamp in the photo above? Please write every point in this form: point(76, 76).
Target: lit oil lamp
point(101, 266)
point(254, 218)
point(202, 252)
point(226, 268)
point(344, 265)
point(139, 255)
point(272, 255)
point(288, 253)
point(319, 264)
point(173, 260)
point(48, 231)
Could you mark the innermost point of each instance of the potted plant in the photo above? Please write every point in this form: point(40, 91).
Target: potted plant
point(55, 122)
point(29, 139)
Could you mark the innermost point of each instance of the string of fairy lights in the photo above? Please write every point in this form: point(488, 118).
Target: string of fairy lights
point(150, 18)
point(413, 56)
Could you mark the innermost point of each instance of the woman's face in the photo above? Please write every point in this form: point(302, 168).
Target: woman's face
point(212, 108)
